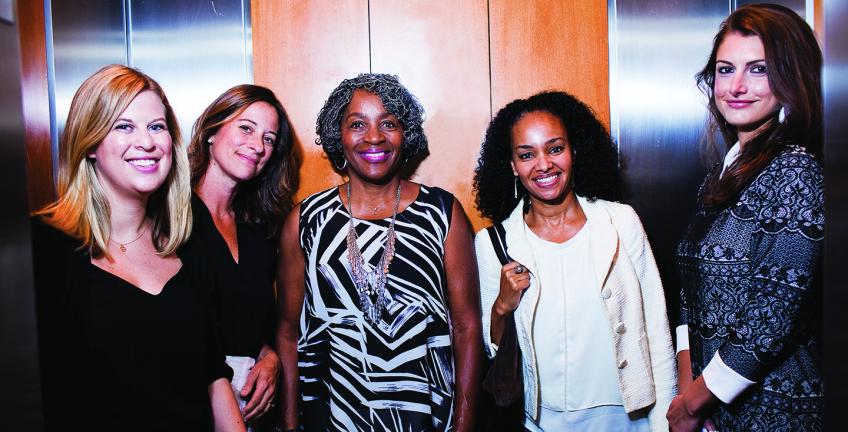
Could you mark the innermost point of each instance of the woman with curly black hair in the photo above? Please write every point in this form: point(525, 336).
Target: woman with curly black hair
point(379, 327)
point(589, 307)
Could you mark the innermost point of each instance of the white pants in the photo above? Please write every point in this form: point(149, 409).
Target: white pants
point(605, 418)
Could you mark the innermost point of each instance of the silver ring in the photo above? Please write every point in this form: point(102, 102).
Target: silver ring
point(520, 269)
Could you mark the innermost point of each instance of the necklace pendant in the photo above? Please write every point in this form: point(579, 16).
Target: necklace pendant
point(371, 285)
point(123, 248)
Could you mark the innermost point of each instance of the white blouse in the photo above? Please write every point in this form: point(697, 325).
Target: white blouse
point(571, 333)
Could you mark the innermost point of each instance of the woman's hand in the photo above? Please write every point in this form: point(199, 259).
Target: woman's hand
point(679, 419)
point(690, 409)
point(262, 382)
point(514, 280)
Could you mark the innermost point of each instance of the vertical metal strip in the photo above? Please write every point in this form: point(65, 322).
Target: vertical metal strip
point(51, 85)
point(810, 13)
point(128, 32)
point(247, 39)
point(612, 40)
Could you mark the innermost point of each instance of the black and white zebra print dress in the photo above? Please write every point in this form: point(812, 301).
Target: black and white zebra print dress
point(396, 375)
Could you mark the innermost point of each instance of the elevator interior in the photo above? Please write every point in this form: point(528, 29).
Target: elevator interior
point(197, 49)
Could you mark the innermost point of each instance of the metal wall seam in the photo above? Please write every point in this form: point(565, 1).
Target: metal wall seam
point(128, 32)
point(51, 85)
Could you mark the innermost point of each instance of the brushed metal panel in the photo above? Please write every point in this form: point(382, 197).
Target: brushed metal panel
point(87, 35)
point(658, 115)
point(7, 11)
point(836, 209)
point(195, 49)
point(19, 373)
point(799, 6)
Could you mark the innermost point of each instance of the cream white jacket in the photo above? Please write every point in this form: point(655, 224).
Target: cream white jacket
point(629, 283)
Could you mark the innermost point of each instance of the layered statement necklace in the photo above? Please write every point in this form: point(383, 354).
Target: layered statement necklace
point(371, 284)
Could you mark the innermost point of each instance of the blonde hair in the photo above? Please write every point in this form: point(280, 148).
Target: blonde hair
point(82, 210)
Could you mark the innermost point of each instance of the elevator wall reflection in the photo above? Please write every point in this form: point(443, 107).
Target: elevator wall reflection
point(195, 49)
point(657, 114)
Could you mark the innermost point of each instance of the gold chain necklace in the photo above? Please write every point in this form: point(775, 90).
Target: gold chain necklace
point(123, 246)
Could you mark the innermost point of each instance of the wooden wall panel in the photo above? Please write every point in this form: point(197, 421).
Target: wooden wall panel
point(36, 104)
point(462, 59)
point(302, 50)
point(539, 44)
point(439, 50)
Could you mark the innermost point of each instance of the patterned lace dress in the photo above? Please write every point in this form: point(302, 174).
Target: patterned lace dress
point(749, 293)
point(396, 375)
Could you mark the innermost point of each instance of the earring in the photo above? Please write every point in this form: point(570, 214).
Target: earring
point(211, 139)
point(344, 164)
point(781, 115)
point(515, 187)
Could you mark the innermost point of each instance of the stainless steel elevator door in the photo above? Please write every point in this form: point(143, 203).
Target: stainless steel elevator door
point(195, 49)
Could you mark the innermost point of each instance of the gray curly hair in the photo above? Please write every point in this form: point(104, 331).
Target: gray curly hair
point(396, 99)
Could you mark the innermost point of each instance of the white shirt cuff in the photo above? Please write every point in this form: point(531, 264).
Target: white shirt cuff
point(682, 338)
point(724, 382)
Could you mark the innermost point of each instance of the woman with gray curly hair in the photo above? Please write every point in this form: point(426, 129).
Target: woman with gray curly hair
point(379, 326)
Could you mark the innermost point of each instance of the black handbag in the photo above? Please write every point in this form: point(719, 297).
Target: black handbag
point(502, 402)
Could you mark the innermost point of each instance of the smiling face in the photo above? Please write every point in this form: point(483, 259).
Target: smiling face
point(135, 157)
point(741, 88)
point(541, 156)
point(241, 147)
point(371, 138)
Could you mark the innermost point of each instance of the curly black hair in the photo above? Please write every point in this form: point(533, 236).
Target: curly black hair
point(396, 99)
point(595, 158)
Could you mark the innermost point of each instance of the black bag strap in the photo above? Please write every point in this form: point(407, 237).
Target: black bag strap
point(497, 234)
point(503, 380)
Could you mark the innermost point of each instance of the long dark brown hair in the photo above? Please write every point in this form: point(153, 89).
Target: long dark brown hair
point(793, 64)
point(265, 199)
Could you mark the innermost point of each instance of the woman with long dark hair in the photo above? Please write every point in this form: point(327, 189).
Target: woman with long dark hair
point(242, 173)
point(747, 347)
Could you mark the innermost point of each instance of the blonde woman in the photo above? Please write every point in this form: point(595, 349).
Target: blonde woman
point(127, 337)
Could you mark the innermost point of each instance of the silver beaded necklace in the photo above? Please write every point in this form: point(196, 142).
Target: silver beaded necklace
point(371, 285)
